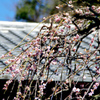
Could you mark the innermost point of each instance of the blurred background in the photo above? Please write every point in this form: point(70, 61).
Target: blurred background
point(31, 10)
point(8, 10)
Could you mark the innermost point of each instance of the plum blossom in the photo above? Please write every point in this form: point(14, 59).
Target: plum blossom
point(74, 89)
point(77, 90)
point(93, 7)
point(27, 88)
point(94, 79)
point(92, 40)
point(13, 74)
point(54, 62)
point(57, 7)
point(16, 98)
point(37, 98)
point(62, 30)
point(90, 94)
point(41, 88)
point(77, 36)
point(17, 71)
point(56, 38)
point(84, 77)
point(98, 9)
point(98, 71)
point(44, 18)
point(74, 49)
point(94, 87)
point(57, 18)
point(3, 56)
point(97, 84)
point(19, 93)
point(70, 2)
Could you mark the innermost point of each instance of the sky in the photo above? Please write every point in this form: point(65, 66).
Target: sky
point(7, 10)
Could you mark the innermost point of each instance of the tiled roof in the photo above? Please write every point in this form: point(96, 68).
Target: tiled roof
point(11, 33)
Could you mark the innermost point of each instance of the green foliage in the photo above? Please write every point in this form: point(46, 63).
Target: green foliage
point(32, 10)
point(96, 97)
point(26, 10)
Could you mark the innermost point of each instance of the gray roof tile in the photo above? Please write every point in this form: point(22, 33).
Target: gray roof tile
point(11, 33)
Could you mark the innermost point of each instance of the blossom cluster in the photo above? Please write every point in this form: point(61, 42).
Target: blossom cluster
point(58, 54)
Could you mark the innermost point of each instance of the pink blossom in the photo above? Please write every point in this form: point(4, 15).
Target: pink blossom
point(70, 5)
point(87, 8)
point(70, 2)
point(74, 49)
point(69, 26)
point(57, 19)
point(22, 78)
point(62, 30)
point(16, 98)
point(90, 94)
point(27, 88)
point(19, 93)
point(8, 70)
point(97, 84)
point(86, 13)
point(11, 60)
point(80, 11)
point(67, 14)
point(90, 44)
point(13, 74)
point(3, 56)
point(77, 90)
point(82, 85)
point(48, 50)
point(67, 81)
point(5, 88)
point(54, 62)
point(94, 79)
point(74, 38)
point(51, 37)
point(38, 39)
point(77, 11)
point(37, 49)
point(93, 7)
point(37, 98)
point(60, 51)
point(20, 48)
point(94, 87)
point(98, 9)
point(98, 71)
point(84, 77)
point(17, 71)
point(74, 89)
point(45, 38)
point(56, 38)
point(44, 18)
point(77, 36)
point(57, 7)
point(6, 62)
point(92, 40)
point(48, 47)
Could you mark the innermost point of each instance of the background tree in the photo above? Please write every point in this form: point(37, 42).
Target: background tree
point(34, 10)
